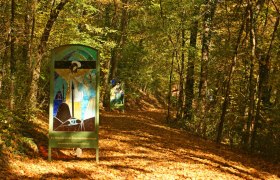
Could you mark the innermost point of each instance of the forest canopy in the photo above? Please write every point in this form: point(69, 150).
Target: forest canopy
point(215, 63)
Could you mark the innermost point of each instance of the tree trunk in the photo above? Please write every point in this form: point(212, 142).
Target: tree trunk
point(5, 64)
point(36, 69)
point(263, 89)
point(189, 92)
point(29, 27)
point(251, 108)
point(12, 56)
point(121, 40)
point(105, 95)
point(181, 78)
point(171, 68)
point(25, 71)
point(206, 38)
point(170, 88)
point(228, 83)
point(264, 70)
point(210, 8)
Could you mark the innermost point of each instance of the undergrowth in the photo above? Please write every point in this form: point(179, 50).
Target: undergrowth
point(16, 133)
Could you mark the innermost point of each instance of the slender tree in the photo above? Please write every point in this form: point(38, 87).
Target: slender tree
point(210, 8)
point(229, 79)
point(5, 49)
point(12, 56)
point(192, 55)
point(180, 104)
point(36, 69)
point(263, 89)
point(121, 39)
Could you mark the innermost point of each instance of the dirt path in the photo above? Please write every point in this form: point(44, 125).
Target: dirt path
point(139, 145)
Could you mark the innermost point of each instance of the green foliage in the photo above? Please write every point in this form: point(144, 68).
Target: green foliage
point(145, 37)
point(133, 67)
point(15, 134)
point(268, 136)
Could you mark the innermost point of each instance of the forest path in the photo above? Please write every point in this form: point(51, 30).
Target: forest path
point(139, 145)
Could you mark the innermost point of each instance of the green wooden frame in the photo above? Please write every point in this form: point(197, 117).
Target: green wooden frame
point(81, 139)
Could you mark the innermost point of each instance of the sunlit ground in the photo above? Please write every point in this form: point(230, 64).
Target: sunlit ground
point(139, 145)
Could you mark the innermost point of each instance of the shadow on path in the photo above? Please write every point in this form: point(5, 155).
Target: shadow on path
point(137, 136)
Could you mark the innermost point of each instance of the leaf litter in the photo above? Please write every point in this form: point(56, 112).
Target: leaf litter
point(140, 145)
